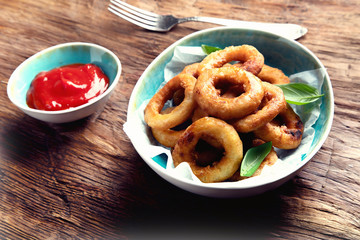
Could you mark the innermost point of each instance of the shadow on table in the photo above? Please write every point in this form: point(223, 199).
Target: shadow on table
point(182, 215)
point(26, 138)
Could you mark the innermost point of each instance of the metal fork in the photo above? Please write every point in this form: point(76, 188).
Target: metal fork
point(163, 23)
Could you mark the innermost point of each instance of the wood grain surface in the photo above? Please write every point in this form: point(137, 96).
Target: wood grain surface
point(84, 180)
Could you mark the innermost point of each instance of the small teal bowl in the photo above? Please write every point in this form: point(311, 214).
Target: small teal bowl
point(57, 56)
point(288, 55)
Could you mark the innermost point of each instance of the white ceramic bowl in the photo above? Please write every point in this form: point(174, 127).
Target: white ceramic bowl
point(56, 56)
point(288, 55)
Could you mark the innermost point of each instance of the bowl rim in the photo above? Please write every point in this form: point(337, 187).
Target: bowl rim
point(293, 169)
point(73, 109)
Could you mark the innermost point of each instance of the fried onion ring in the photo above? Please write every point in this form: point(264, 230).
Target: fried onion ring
point(274, 102)
point(180, 113)
point(225, 134)
point(167, 137)
point(252, 60)
point(273, 75)
point(230, 93)
point(285, 131)
point(208, 98)
point(189, 69)
point(198, 113)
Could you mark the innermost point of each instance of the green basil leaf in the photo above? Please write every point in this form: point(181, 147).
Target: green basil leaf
point(209, 49)
point(299, 93)
point(253, 158)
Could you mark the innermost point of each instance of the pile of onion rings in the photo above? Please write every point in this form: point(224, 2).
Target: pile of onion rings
point(220, 107)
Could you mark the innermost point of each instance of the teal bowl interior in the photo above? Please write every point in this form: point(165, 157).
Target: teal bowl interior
point(288, 55)
point(60, 55)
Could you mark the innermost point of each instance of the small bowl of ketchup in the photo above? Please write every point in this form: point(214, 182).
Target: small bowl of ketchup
point(66, 82)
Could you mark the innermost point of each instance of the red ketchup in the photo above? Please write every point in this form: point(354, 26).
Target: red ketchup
point(66, 87)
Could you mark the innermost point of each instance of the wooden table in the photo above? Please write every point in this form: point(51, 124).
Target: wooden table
point(84, 180)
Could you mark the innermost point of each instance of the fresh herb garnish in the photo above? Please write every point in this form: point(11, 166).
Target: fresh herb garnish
point(209, 49)
point(299, 93)
point(253, 158)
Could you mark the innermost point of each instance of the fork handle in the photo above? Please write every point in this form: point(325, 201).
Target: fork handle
point(291, 31)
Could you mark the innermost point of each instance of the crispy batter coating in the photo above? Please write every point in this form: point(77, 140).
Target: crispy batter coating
point(225, 134)
point(180, 113)
point(273, 75)
point(209, 99)
point(167, 137)
point(285, 131)
point(189, 69)
point(272, 104)
point(252, 60)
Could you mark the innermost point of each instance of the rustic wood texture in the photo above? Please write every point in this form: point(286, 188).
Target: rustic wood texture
point(84, 180)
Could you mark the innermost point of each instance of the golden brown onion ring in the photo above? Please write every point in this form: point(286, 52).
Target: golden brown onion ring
point(225, 134)
point(273, 75)
point(208, 98)
point(179, 94)
point(167, 137)
point(180, 113)
point(198, 113)
point(191, 69)
point(274, 102)
point(285, 131)
point(252, 60)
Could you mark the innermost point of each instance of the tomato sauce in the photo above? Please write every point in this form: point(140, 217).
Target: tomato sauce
point(66, 87)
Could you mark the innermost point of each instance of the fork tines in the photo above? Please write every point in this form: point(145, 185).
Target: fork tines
point(133, 14)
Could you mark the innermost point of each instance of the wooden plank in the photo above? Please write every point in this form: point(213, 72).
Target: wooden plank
point(85, 180)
